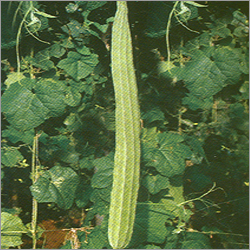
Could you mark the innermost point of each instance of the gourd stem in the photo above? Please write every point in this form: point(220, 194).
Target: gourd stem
point(35, 176)
point(168, 29)
point(18, 37)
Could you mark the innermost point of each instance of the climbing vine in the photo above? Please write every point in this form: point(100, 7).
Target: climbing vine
point(58, 124)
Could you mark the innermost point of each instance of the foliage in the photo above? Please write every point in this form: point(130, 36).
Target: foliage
point(58, 123)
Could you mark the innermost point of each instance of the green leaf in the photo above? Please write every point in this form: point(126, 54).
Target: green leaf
point(102, 178)
point(56, 185)
point(73, 97)
point(154, 114)
point(52, 94)
point(103, 28)
point(96, 239)
point(155, 183)
point(149, 138)
point(193, 240)
point(149, 224)
point(42, 60)
point(169, 138)
point(86, 163)
point(2, 174)
point(67, 245)
point(195, 145)
point(78, 66)
point(65, 148)
point(157, 19)
point(73, 28)
point(173, 203)
point(56, 50)
point(84, 50)
point(164, 66)
point(106, 162)
point(196, 178)
point(10, 224)
point(68, 43)
point(172, 239)
point(109, 120)
point(13, 77)
point(104, 193)
point(177, 193)
point(15, 135)
point(152, 247)
point(209, 71)
point(104, 174)
point(92, 5)
point(71, 8)
point(195, 102)
point(83, 193)
point(26, 110)
point(169, 157)
point(10, 156)
point(204, 40)
point(100, 204)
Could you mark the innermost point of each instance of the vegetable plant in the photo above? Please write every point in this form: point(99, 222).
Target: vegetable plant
point(124, 125)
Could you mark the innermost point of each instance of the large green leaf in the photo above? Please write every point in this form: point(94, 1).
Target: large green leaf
point(78, 66)
point(56, 185)
point(152, 115)
point(193, 240)
point(102, 178)
point(10, 156)
point(100, 205)
point(56, 50)
point(152, 247)
point(155, 183)
point(169, 157)
point(96, 239)
point(52, 94)
point(42, 60)
point(13, 77)
point(195, 102)
point(9, 225)
point(65, 148)
point(83, 193)
point(73, 28)
point(25, 108)
point(15, 135)
point(105, 162)
point(149, 224)
point(73, 97)
point(195, 145)
point(157, 18)
point(209, 71)
point(90, 5)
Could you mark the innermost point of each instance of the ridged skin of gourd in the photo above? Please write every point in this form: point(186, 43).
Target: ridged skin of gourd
point(127, 149)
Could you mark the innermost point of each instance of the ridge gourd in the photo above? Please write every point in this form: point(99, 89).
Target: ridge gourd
point(127, 148)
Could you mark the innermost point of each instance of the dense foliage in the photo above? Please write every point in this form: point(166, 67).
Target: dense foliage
point(58, 123)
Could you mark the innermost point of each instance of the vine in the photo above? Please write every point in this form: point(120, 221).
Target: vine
point(59, 124)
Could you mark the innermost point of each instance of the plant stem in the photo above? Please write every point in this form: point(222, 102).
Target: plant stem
point(34, 175)
point(200, 197)
point(215, 111)
point(18, 37)
point(179, 123)
point(168, 29)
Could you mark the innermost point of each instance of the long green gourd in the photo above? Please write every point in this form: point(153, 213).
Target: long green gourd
point(127, 149)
